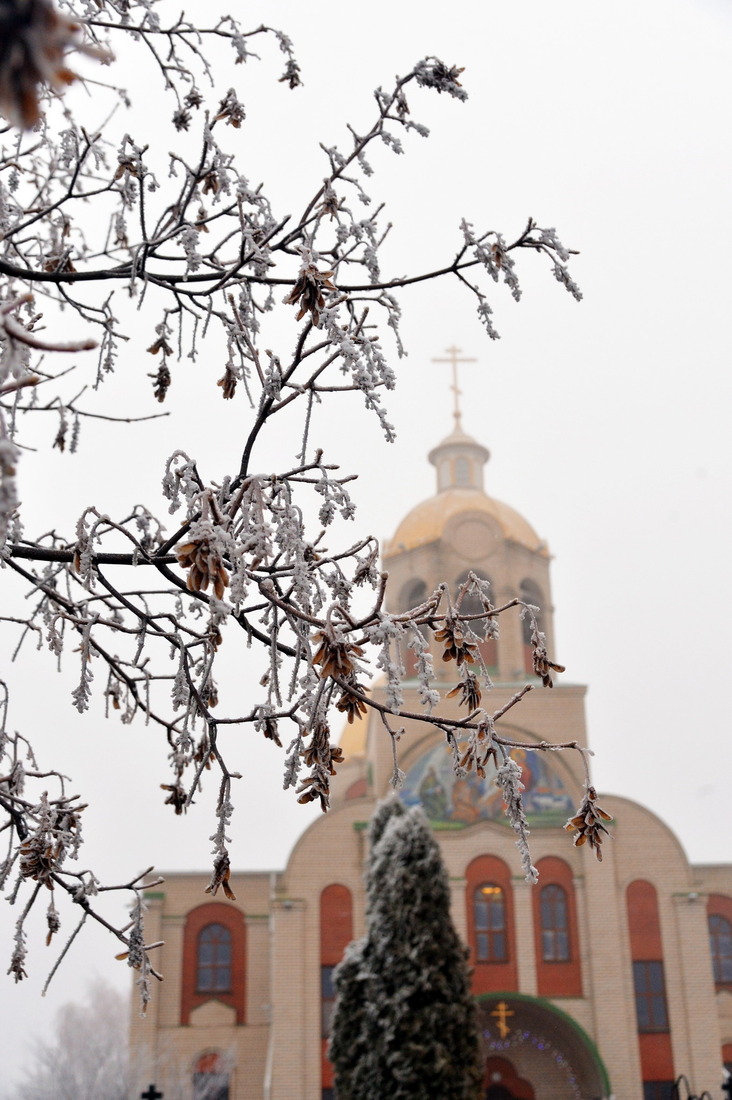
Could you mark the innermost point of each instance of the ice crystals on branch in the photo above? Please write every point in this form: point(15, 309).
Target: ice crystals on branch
point(321, 757)
point(508, 778)
point(495, 257)
point(543, 667)
point(291, 75)
point(387, 635)
point(20, 950)
point(9, 455)
point(82, 693)
point(433, 73)
point(481, 748)
point(137, 953)
point(57, 833)
point(222, 863)
point(204, 257)
point(53, 921)
point(231, 110)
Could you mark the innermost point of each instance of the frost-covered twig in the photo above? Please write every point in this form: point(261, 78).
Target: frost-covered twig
point(93, 217)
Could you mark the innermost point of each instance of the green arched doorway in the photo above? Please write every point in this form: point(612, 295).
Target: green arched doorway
point(550, 1056)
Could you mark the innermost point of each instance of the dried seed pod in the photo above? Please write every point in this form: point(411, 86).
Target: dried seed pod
point(469, 688)
point(308, 292)
point(335, 657)
point(588, 823)
point(457, 647)
point(350, 704)
point(205, 566)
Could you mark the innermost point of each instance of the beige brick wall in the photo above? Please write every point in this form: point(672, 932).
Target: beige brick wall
point(277, 1054)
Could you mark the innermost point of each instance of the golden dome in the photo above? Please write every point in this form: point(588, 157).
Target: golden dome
point(427, 522)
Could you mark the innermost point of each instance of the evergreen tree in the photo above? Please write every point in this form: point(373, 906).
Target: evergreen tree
point(405, 1024)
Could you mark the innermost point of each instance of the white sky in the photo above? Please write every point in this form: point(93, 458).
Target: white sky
point(607, 420)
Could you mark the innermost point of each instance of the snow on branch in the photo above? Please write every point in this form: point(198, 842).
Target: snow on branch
point(137, 253)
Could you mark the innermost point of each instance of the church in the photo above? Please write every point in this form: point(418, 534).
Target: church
point(606, 980)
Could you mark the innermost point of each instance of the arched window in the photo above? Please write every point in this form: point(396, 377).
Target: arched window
point(489, 914)
point(720, 942)
point(463, 472)
point(336, 932)
point(649, 984)
point(413, 593)
point(213, 960)
point(558, 956)
point(554, 924)
point(210, 1078)
point(490, 924)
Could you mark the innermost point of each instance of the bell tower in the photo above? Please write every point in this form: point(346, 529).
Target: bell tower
point(459, 530)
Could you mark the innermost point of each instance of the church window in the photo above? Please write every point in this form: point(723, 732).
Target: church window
point(214, 959)
point(720, 942)
point(210, 1079)
point(489, 912)
point(650, 996)
point(213, 969)
point(490, 924)
point(413, 593)
point(336, 932)
point(554, 924)
point(462, 471)
point(327, 1000)
point(659, 1090)
point(558, 962)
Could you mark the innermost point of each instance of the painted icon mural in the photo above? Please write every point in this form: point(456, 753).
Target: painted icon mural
point(448, 799)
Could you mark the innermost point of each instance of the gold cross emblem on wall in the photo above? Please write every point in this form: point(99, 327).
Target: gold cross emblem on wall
point(502, 1011)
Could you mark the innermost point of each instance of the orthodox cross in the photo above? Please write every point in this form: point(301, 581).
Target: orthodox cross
point(502, 1011)
point(454, 359)
point(151, 1094)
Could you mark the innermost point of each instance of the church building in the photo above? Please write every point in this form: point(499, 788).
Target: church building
point(604, 980)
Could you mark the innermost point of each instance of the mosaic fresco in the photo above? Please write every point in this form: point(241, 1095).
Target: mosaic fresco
point(449, 800)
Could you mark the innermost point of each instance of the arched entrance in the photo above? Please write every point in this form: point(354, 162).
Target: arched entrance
point(501, 1082)
point(534, 1051)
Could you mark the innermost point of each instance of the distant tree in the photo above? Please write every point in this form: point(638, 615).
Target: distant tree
point(86, 1057)
point(405, 1023)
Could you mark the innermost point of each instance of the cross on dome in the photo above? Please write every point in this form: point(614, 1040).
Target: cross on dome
point(455, 358)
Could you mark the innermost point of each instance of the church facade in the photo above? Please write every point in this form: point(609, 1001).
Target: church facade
point(604, 980)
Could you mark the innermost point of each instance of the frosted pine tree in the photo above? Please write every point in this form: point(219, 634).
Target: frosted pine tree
point(405, 1022)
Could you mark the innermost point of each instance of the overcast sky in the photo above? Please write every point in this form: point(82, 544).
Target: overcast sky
point(607, 420)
